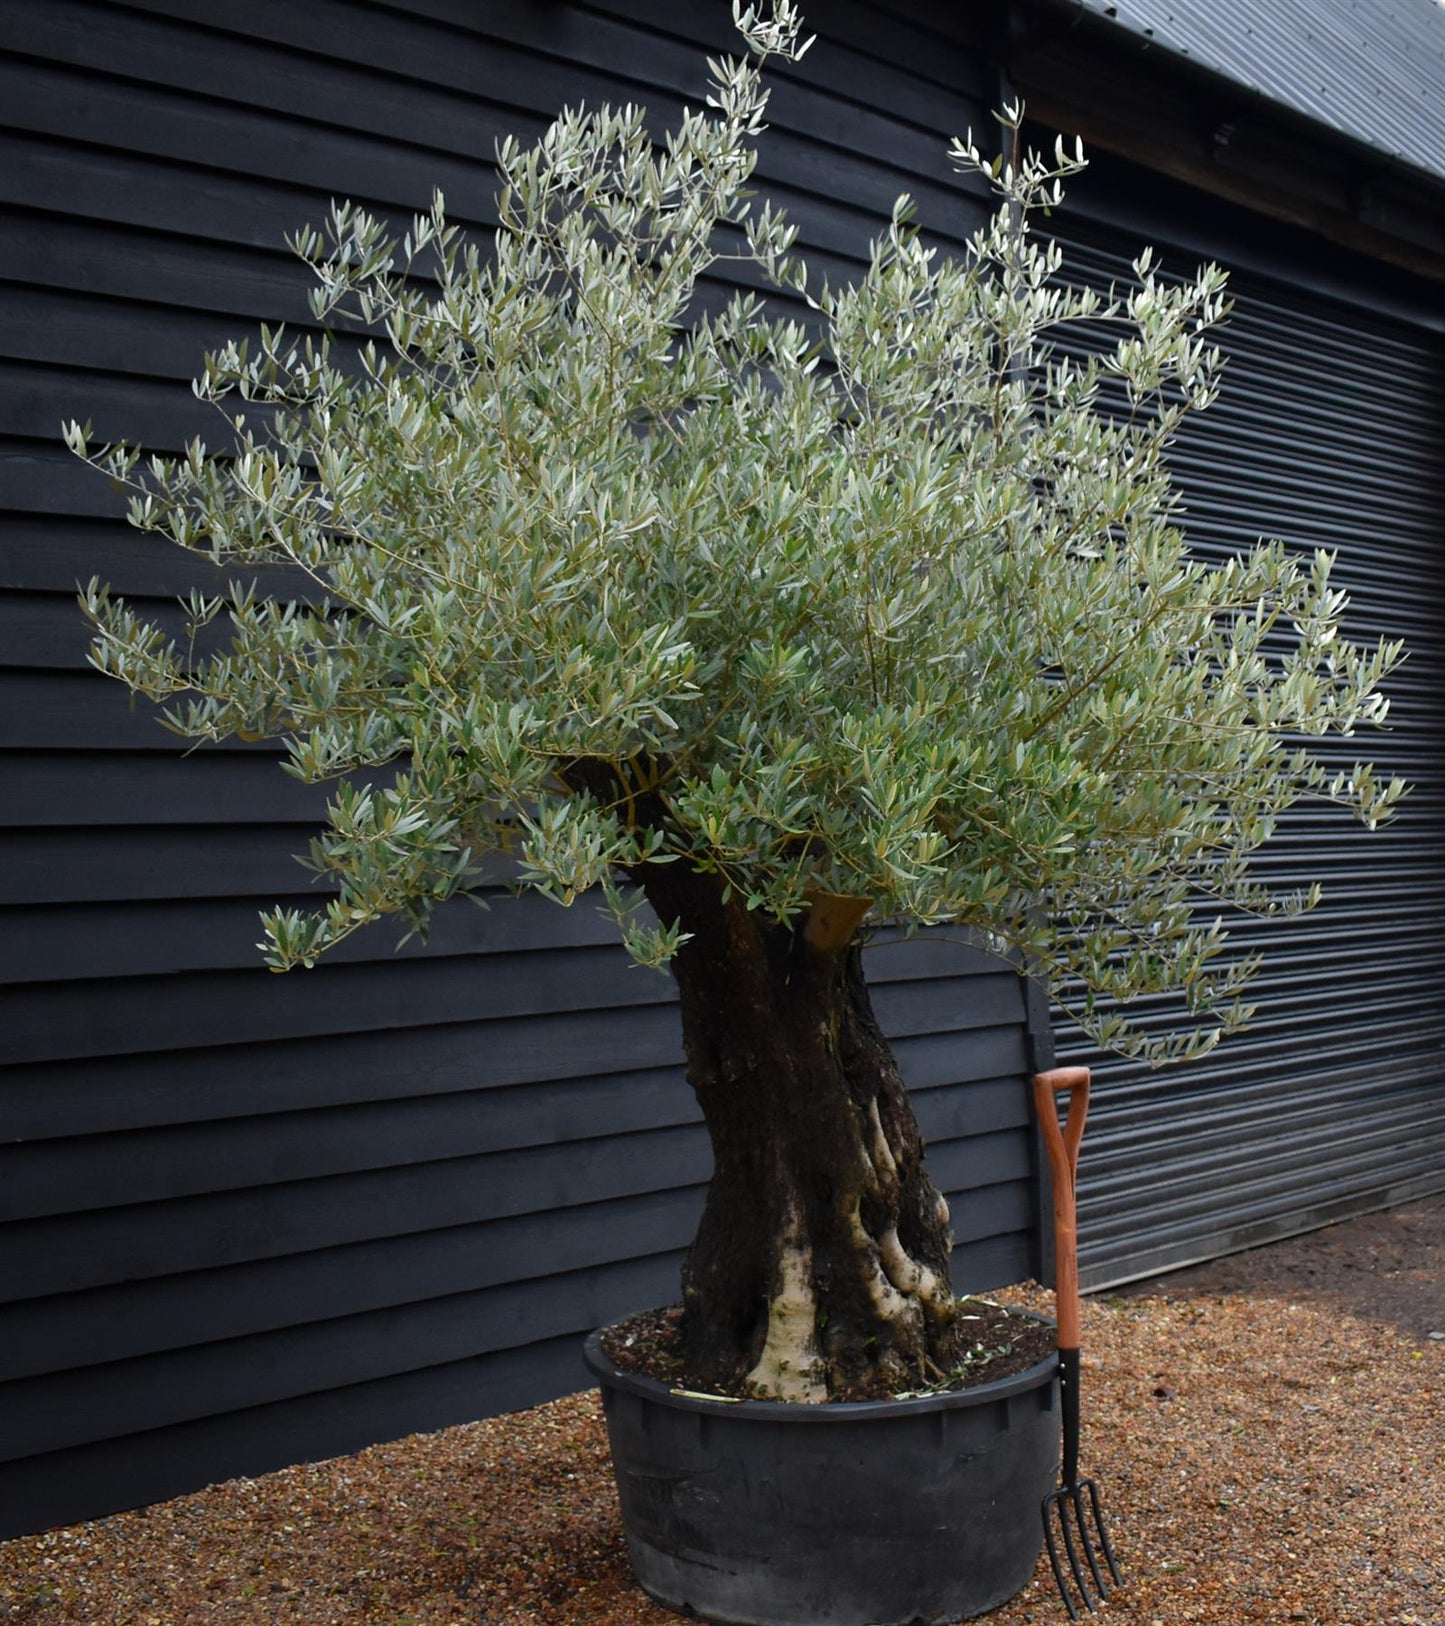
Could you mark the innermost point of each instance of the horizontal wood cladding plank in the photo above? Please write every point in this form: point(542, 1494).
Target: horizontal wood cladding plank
point(83, 1173)
point(984, 1213)
point(42, 478)
point(78, 941)
point(175, 877)
point(73, 329)
point(158, 1391)
point(101, 185)
point(129, 1319)
point(233, 281)
point(406, 82)
point(84, 1482)
point(208, 139)
point(157, 1165)
point(106, 789)
point(143, 398)
point(46, 631)
point(42, 631)
point(423, 87)
point(118, 1093)
point(967, 1055)
point(964, 1110)
point(111, 284)
point(837, 201)
point(49, 555)
point(918, 62)
point(906, 71)
point(88, 863)
point(81, 710)
point(151, 1014)
point(109, 1018)
point(71, 1330)
point(993, 1262)
point(979, 1162)
point(78, 865)
point(58, 1409)
point(932, 953)
point(62, 1255)
point(240, 1078)
point(109, 327)
point(161, 414)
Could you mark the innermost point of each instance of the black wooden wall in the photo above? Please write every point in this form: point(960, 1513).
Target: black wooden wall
point(246, 1220)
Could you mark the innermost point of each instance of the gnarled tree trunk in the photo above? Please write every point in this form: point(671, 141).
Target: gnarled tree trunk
point(821, 1264)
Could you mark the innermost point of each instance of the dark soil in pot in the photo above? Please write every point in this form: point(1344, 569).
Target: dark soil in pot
point(990, 1342)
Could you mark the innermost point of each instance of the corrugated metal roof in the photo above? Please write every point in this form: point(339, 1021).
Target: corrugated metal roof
point(1373, 70)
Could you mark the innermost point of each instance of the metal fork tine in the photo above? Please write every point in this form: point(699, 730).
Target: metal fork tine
point(1102, 1525)
point(1085, 1540)
point(1071, 1548)
point(1082, 1514)
point(1051, 1542)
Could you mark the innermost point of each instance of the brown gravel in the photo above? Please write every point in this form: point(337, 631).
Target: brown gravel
point(1269, 1432)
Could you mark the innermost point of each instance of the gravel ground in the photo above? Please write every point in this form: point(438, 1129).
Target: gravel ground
point(1269, 1432)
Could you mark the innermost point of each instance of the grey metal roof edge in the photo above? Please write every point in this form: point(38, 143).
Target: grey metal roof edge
point(1306, 57)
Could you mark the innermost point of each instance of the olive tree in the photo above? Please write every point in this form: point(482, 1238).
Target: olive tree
point(763, 629)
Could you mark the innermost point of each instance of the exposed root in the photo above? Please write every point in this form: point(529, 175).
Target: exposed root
point(904, 1271)
point(891, 1302)
point(789, 1367)
point(881, 1152)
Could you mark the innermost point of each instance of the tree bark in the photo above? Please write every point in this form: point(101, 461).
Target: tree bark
point(820, 1268)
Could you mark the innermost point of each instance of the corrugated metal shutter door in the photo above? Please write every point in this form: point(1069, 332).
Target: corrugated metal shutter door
point(1328, 434)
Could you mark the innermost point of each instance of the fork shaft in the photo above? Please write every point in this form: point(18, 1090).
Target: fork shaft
point(1069, 1404)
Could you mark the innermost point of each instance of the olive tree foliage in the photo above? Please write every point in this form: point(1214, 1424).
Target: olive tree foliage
point(887, 602)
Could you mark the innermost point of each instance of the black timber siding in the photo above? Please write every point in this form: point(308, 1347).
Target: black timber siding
point(1327, 434)
point(246, 1220)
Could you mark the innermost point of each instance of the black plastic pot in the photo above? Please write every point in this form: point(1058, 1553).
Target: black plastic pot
point(889, 1513)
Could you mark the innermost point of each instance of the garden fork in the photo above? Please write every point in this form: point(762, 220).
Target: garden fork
point(1073, 1515)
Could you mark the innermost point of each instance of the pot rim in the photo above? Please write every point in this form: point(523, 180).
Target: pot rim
point(785, 1411)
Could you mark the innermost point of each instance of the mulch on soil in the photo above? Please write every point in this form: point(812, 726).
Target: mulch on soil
point(1268, 1430)
point(990, 1342)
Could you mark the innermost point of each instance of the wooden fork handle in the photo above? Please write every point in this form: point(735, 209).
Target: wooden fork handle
point(1062, 1138)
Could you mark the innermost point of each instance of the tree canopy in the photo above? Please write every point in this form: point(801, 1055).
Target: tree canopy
point(634, 543)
